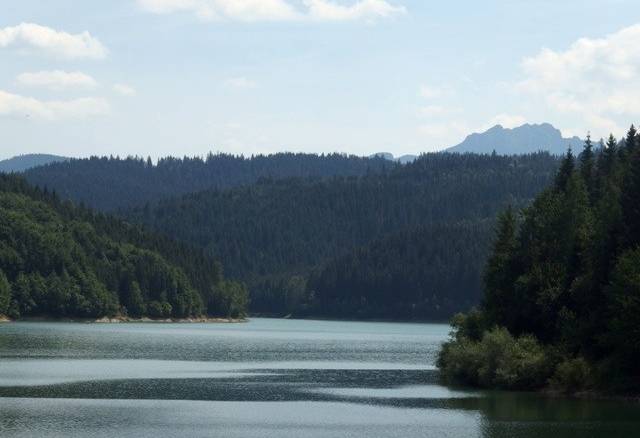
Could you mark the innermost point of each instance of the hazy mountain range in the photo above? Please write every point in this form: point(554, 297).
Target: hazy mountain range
point(28, 161)
point(403, 159)
point(504, 141)
point(521, 140)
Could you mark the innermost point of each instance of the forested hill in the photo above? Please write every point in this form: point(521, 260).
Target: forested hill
point(430, 272)
point(111, 184)
point(274, 233)
point(562, 285)
point(59, 260)
point(28, 161)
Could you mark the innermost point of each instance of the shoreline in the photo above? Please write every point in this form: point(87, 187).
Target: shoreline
point(128, 320)
point(332, 319)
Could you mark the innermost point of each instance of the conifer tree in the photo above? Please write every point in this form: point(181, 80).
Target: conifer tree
point(631, 141)
point(609, 157)
point(630, 203)
point(5, 294)
point(587, 166)
point(566, 171)
point(499, 274)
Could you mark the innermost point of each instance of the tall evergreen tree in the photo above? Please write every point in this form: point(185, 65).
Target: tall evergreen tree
point(5, 294)
point(567, 167)
point(630, 202)
point(624, 318)
point(609, 157)
point(587, 167)
point(500, 273)
point(630, 141)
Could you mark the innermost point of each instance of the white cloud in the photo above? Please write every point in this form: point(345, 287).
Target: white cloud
point(241, 83)
point(443, 134)
point(124, 90)
point(595, 80)
point(51, 41)
point(437, 111)
point(361, 10)
point(241, 10)
point(428, 92)
point(506, 121)
point(57, 80)
point(14, 105)
point(274, 10)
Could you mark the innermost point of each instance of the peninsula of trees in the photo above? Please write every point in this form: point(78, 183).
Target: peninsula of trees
point(561, 307)
point(59, 260)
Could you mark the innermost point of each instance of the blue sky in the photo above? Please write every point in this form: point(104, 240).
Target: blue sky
point(184, 77)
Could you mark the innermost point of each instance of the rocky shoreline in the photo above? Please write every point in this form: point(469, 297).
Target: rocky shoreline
point(126, 319)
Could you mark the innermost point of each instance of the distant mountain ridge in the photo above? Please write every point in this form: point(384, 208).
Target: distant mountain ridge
point(403, 159)
point(111, 184)
point(21, 163)
point(524, 139)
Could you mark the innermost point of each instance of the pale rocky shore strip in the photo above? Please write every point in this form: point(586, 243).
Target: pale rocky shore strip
point(126, 319)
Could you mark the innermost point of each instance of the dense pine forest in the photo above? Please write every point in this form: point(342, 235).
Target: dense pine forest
point(290, 239)
point(112, 184)
point(332, 235)
point(561, 307)
point(429, 272)
point(59, 260)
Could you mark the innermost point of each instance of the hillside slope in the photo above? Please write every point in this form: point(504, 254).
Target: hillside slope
point(111, 184)
point(61, 261)
point(275, 231)
point(28, 161)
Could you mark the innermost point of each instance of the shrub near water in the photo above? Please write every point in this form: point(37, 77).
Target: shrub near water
point(496, 360)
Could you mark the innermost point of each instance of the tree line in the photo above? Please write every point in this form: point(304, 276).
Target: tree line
point(113, 184)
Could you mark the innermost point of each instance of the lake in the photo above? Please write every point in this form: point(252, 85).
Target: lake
point(264, 378)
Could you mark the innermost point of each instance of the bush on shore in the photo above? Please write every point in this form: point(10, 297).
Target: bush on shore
point(494, 358)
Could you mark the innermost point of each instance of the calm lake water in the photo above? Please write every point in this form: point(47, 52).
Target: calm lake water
point(265, 378)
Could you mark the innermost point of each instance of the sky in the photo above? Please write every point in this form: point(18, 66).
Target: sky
point(185, 77)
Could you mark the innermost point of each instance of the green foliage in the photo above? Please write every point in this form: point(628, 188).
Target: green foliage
point(134, 301)
point(430, 272)
point(407, 243)
point(498, 278)
point(5, 294)
point(497, 360)
point(630, 202)
point(65, 261)
point(470, 325)
point(625, 308)
point(572, 375)
point(569, 275)
point(113, 184)
point(235, 299)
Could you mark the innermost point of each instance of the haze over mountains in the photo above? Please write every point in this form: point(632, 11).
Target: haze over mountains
point(28, 161)
point(524, 139)
point(528, 138)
